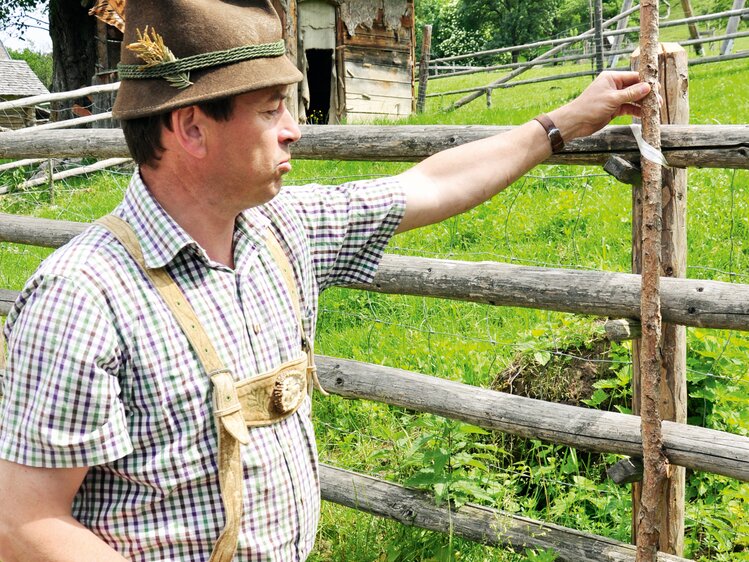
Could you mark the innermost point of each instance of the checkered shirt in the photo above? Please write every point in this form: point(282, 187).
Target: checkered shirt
point(99, 373)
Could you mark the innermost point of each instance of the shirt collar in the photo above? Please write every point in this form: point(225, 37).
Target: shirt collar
point(162, 239)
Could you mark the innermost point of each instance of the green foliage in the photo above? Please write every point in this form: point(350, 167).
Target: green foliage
point(40, 63)
point(509, 22)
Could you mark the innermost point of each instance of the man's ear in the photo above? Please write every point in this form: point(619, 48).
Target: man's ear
point(189, 130)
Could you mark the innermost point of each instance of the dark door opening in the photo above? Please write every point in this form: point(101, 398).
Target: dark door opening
point(319, 78)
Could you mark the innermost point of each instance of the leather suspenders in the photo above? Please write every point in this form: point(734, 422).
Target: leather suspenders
point(261, 400)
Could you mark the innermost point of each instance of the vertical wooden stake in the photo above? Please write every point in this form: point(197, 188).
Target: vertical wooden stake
point(673, 394)
point(693, 31)
point(731, 28)
point(489, 98)
point(618, 39)
point(426, 47)
point(598, 25)
point(654, 460)
point(51, 182)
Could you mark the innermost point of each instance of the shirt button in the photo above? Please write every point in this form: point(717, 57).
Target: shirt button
point(256, 328)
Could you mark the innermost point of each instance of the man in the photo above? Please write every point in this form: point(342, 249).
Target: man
point(107, 434)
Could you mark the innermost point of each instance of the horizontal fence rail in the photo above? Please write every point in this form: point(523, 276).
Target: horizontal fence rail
point(473, 522)
point(706, 146)
point(691, 302)
point(59, 96)
point(584, 428)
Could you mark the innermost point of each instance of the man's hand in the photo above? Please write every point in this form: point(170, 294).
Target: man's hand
point(610, 95)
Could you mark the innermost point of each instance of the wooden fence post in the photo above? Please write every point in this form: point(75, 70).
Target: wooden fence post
point(621, 24)
point(673, 80)
point(426, 46)
point(51, 181)
point(732, 27)
point(598, 26)
point(693, 32)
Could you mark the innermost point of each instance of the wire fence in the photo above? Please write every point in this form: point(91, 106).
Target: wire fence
point(478, 344)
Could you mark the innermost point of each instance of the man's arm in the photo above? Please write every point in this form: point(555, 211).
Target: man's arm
point(458, 179)
point(35, 518)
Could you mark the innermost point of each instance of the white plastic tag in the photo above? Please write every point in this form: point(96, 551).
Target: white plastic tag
point(648, 151)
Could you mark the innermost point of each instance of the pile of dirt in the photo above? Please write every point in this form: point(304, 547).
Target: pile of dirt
point(567, 377)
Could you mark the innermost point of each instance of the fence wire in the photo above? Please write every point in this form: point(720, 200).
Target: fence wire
point(551, 219)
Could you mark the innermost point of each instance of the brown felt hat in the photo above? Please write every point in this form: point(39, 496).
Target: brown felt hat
point(199, 50)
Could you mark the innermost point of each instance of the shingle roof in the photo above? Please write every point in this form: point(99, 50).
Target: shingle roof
point(17, 79)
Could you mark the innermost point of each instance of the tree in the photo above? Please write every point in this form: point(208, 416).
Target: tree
point(73, 34)
point(504, 23)
point(40, 64)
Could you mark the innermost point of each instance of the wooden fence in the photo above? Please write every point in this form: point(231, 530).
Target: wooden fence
point(686, 302)
point(441, 67)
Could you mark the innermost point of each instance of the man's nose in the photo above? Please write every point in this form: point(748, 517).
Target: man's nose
point(290, 131)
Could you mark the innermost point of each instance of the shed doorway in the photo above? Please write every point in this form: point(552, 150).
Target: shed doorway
point(317, 24)
point(319, 71)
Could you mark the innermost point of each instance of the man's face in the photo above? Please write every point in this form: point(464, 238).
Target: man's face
point(250, 151)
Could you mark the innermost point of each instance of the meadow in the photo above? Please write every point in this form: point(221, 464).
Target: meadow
point(557, 216)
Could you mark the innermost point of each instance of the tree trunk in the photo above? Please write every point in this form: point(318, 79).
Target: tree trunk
point(73, 34)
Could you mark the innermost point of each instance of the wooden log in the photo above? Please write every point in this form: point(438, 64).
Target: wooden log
point(73, 172)
point(692, 302)
point(693, 31)
point(655, 480)
point(506, 85)
point(621, 24)
point(473, 522)
point(426, 44)
point(624, 170)
point(717, 146)
point(683, 21)
point(598, 21)
point(622, 329)
point(732, 27)
point(66, 124)
point(672, 347)
point(60, 96)
point(626, 471)
point(7, 298)
point(584, 428)
point(721, 58)
point(20, 164)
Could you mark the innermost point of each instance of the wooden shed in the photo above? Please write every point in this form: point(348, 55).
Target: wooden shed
point(17, 80)
point(357, 57)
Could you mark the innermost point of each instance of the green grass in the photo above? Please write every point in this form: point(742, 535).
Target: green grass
point(558, 216)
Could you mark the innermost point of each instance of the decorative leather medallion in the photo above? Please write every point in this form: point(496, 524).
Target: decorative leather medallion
point(289, 390)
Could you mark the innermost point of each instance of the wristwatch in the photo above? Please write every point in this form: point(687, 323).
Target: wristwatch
point(555, 136)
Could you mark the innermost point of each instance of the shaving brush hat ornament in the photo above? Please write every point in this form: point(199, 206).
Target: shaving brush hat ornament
point(177, 53)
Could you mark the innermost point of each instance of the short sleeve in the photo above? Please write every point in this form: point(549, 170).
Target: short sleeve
point(348, 226)
point(61, 405)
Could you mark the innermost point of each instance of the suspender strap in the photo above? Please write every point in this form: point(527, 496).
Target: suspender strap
point(282, 260)
point(231, 427)
point(2, 359)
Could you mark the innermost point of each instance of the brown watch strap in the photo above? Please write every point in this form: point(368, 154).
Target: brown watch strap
point(555, 136)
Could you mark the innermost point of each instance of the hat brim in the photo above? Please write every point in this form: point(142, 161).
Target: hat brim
point(142, 98)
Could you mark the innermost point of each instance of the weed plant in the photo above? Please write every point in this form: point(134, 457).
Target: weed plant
point(558, 216)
